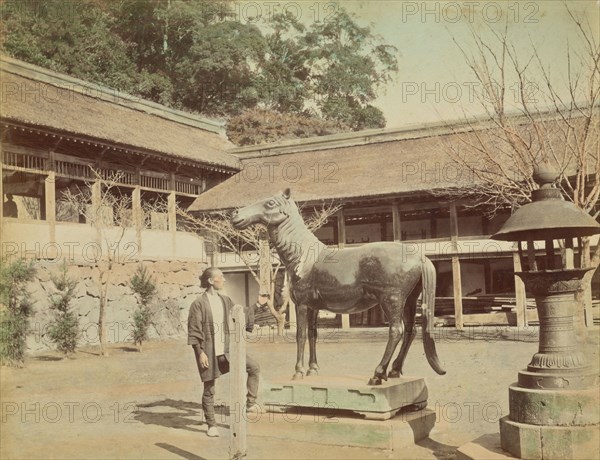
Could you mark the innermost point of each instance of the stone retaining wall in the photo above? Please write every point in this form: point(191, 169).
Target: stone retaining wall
point(177, 283)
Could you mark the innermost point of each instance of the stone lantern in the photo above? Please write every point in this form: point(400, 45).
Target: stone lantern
point(554, 405)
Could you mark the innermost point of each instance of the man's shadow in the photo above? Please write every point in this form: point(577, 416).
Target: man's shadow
point(178, 414)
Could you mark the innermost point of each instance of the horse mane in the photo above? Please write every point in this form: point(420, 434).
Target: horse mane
point(292, 238)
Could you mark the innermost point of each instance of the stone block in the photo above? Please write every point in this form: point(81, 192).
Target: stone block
point(330, 428)
point(549, 442)
point(554, 407)
point(169, 291)
point(522, 441)
point(193, 291)
point(86, 305)
point(349, 393)
point(117, 292)
point(574, 442)
point(181, 278)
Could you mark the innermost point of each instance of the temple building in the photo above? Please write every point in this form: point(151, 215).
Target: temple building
point(61, 134)
point(392, 185)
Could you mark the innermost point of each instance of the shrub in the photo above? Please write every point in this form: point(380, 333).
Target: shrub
point(15, 310)
point(64, 329)
point(143, 285)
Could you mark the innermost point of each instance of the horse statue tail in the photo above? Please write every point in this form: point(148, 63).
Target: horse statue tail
point(428, 308)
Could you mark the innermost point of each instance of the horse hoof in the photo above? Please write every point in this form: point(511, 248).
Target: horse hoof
point(298, 376)
point(394, 374)
point(417, 406)
point(374, 381)
point(312, 372)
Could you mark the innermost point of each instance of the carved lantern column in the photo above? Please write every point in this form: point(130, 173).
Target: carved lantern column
point(554, 405)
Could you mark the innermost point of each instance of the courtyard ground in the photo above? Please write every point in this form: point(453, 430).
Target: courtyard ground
point(146, 405)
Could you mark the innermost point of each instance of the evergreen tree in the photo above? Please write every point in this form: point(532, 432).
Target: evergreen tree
point(15, 309)
point(64, 329)
point(142, 284)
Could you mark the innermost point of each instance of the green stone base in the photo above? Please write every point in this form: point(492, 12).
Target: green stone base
point(323, 427)
point(549, 442)
point(346, 394)
point(554, 407)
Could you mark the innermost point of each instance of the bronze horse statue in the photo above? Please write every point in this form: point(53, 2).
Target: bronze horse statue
point(349, 280)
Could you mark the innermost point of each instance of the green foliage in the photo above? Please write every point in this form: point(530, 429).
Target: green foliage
point(15, 309)
point(196, 55)
point(144, 286)
point(71, 37)
point(261, 126)
point(142, 318)
point(216, 76)
point(64, 329)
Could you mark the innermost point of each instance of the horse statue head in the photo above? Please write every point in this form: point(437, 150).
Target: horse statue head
point(269, 212)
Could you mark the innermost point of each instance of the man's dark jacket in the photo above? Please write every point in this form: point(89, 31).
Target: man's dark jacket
point(202, 331)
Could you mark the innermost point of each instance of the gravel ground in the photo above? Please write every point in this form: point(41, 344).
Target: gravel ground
point(147, 405)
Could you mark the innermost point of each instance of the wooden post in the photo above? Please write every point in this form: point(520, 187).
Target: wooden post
point(396, 224)
point(237, 384)
point(50, 199)
point(457, 286)
point(456, 278)
point(96, 209)
point(172, 219)
point(341, 225)
point(138, 220)
point(520, 293)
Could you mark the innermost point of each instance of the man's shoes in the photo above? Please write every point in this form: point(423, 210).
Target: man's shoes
point(213, 432)
point(253, 409)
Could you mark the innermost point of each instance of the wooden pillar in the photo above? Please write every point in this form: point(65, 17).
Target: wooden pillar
point(457, 288)
point(487, 274)
point(341, 225)
point(520, 294)
point(96, 209)
point(138, 218)
point(456, 278)
point(237, 384)
point(50, 201)
point(172, 219)
point(396, 224)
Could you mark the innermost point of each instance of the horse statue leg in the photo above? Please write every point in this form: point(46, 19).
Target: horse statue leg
point(313, 367)
point(410, 310)
point(393, 305)
point(301, 318)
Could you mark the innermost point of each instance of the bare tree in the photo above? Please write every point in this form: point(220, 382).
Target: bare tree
point(252, 246)
point(109, 213)
point(531, 119)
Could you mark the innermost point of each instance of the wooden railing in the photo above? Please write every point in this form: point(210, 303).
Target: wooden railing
point(41, 162)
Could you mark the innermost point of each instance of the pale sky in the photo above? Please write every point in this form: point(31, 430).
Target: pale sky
point(433, 82)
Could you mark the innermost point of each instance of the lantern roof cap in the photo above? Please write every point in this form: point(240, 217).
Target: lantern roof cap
point(548, 216)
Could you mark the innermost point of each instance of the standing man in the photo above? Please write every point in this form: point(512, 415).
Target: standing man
point(208, 334)
point(9, 207)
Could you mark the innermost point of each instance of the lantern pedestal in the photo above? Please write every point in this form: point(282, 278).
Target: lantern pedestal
point(554, 405)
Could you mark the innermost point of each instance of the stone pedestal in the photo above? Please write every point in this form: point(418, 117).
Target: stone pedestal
point(554, 405)
point(329, 428)
point(349, 394)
